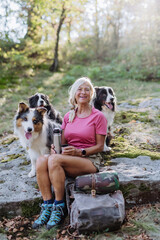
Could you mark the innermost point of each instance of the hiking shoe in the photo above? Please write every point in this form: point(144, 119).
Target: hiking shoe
point(57, 215)
point(44, 215)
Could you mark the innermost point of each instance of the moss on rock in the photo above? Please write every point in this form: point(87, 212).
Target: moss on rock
point(11, 157)
point(128, 116)
point(9, 140)
point(121, 147)
point(127, 188)
point(144, 188)
point(30, 208)
point(24, 163)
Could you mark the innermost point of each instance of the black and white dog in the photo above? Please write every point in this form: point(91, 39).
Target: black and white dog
point(35, 132)
point(105, 101)
point(42, 100)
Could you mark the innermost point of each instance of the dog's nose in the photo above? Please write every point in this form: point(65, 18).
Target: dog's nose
point(41, 102)
point(29, 129)
point(112, 99)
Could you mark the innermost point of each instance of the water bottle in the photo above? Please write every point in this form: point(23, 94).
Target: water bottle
point(57, 140)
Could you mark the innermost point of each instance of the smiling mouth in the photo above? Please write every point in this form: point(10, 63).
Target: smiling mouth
point(83, 97)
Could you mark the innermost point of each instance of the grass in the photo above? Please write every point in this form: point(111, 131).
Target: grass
point(54, 86)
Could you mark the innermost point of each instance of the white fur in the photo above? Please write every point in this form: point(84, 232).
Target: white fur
point(41, 101)
point(36, 145)
point(108, 113)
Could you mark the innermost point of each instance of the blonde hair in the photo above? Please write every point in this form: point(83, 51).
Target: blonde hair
point(72, 91)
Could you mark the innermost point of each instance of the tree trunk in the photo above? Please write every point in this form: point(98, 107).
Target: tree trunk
point(55, 64)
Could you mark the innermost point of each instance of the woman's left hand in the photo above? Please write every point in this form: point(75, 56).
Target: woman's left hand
point(70, 150)
point(52, 149)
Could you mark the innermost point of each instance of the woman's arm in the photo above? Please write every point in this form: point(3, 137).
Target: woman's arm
point(70, 150)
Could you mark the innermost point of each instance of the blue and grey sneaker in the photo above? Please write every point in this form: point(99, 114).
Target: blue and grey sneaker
point(57, 215)
point(44, 215)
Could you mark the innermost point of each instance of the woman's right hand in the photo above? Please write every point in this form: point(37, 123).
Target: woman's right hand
point(52, 149)
point(70, 150)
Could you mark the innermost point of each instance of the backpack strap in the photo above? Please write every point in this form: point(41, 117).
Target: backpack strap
point(93, 191)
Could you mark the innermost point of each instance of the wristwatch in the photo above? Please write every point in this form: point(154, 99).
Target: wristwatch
point(83, 152)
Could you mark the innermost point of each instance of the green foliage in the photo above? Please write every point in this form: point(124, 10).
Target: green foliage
point(75, 72)
point(47, 234)
point(95, 73)
point(81, 51)
point(81, 57)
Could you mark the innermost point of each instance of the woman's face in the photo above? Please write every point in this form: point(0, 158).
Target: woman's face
point(83, 94)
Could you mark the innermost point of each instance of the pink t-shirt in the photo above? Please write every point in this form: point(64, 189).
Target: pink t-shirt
point(81, 133)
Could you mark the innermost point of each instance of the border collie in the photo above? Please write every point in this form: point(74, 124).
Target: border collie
point(35, 132)
point(105, 101)
point(42, 100)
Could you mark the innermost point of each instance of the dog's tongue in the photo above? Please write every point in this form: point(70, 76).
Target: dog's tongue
point(28, 135)
point(109, 105)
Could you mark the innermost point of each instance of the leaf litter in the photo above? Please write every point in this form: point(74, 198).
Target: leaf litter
point(141, 223)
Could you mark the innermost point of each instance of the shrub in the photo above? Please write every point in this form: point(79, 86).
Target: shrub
point(75, 72)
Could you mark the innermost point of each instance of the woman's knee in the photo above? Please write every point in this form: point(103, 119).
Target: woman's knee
point(42, 163)
point(54, 160)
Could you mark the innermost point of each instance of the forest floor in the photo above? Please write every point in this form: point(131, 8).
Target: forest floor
point(136, 132)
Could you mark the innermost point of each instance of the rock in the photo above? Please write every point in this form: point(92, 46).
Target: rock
point(16, 188)
point(3, 236)
point(19, 194)
point(153, 104)
point(139, 179)
point(150, 103)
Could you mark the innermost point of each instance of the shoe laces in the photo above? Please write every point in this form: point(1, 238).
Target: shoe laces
point(43, 210)
point(56, 211)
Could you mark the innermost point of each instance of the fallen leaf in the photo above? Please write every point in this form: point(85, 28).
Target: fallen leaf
point(15, 230)
point(9, 237)
point(63, 232)
point(9, 224)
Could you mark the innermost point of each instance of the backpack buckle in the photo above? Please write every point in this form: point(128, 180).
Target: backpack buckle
point(93, 192)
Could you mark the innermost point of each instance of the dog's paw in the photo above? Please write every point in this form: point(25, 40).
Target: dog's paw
point(31, 173)
point(106, 149)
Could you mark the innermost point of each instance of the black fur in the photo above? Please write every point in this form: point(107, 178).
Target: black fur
point(101, 95)
point(105, 101)
point(51, 113)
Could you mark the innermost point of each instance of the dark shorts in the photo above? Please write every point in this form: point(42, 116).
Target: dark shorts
point(96, 159)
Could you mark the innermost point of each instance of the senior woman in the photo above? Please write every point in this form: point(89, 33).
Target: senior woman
point(83, 129)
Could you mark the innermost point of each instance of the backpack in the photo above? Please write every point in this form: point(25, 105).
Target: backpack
point(97, 213)
point(93, 202)
point(101, 182)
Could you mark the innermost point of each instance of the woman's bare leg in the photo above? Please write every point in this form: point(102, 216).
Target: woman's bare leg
point(59, 165)
point(43, 180)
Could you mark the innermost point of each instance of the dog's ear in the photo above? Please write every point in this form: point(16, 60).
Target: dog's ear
point(23, 107)
point(96, 89)
point(30, 97)
point(41, 110)
point(47, 98)
point(31, 101)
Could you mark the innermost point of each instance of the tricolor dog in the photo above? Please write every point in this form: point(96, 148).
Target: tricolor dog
point(42, 100)
point(35, 132)
point(105, 101)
